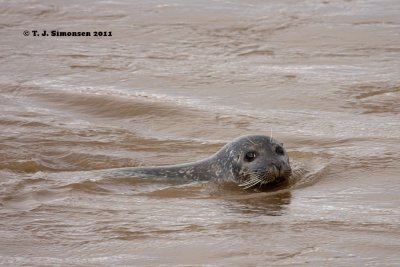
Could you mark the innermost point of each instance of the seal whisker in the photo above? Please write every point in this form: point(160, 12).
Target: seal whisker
point(250, 183)
point(248, 139)
point(298, 172)
point(252, 179)
point(255, 178)
point(270, 137)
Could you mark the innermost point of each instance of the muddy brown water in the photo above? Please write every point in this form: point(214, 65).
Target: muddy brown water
point(175, 82)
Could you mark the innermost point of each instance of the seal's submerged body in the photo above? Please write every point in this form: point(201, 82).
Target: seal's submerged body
point(248, 161)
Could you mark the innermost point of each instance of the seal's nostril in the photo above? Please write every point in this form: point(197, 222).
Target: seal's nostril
point(278, 169)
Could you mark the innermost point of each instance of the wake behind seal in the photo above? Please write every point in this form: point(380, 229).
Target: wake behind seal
point(254, 160)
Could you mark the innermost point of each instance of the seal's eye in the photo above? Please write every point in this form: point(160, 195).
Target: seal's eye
point(279, 150)
point(250, 156)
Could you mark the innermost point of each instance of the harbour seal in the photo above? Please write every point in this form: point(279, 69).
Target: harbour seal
point(254, 160)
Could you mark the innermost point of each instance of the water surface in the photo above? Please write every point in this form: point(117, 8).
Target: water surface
point(174, 83)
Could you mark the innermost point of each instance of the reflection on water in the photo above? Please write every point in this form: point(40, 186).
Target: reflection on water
point(173, 84)
point(271, 204)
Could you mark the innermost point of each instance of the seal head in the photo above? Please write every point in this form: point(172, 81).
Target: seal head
point(260, 160)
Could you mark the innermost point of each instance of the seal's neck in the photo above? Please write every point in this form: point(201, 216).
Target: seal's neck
point(203, 170)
